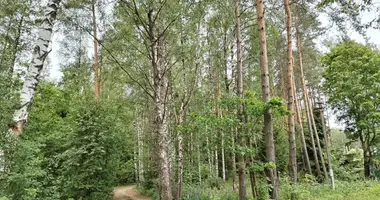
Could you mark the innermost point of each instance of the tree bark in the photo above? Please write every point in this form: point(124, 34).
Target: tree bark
point(268, 127)
point(303, 141)
point(180, 152)
point(140, 153)
point(199, 164)
point(216, 167)
point(96, 56)
point(240, 113)
point(160, 85)
point(306, 102)
point(223, 161)
point(331, 172)
point(136, 166)
point(40, 52)
point(209, 161)
point(367, 163)
point(318, 142)
point(216, 81)
point(291, 134)
point(180, 167)
point(234, 182)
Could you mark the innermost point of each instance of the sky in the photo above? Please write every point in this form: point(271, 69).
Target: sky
point(331, 33)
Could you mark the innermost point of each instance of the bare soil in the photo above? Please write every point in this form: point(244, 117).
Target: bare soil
point(128, 193)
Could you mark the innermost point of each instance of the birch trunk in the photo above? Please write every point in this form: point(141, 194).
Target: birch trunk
point(331, 172)
point(240, 94)
point(216, 167)
point(306, 102)
point(96, 56)
point(209, 161)
point(136, 166)
point(268, 127)
point(161, 131)
point(199, 164)
point(291, 134)
point(180, 153)
point(140, 153)
point(223, 161)
point(180, 167)
point(234, 184)
point(40, 52)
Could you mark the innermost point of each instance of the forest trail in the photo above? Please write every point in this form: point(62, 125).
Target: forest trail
point(128, 193)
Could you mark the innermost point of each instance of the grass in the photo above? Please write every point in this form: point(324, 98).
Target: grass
point(358, 190)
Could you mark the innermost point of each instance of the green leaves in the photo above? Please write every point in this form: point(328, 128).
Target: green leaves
point(350, 71)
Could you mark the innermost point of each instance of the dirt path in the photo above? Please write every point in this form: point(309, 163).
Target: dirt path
point(128, 193)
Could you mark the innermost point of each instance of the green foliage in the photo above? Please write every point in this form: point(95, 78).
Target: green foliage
point(352, 83)
point(70, 149)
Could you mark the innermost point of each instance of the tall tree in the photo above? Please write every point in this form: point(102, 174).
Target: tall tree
point(265, 89)
point(291, 131)
point(40, 52)
point(240, 112)
point(355, 101)
point(306, 102)
point(302, 135)
point(327, 145)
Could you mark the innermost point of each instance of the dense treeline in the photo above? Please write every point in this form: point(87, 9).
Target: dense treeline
point(186, 99)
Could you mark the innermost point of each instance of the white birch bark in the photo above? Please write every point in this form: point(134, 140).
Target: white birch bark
point(209, 160)
point(135, 165)
point(140, 153)
point(180, 167)
point(199, 164)
point(40, 52)
point(223, 161)
point(216, 166)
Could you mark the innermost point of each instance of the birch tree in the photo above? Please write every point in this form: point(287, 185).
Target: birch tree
point(40, 52)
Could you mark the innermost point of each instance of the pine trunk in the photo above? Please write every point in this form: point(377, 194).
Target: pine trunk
point(240, 114)
point(303, 141)
point(291, 134)
point(318, 142)
point(268, 127)
point(39, 54)
point(306, 103)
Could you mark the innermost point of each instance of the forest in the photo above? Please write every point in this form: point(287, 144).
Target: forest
point(189, 99)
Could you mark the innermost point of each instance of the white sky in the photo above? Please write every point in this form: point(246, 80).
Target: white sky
point(331, 33)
